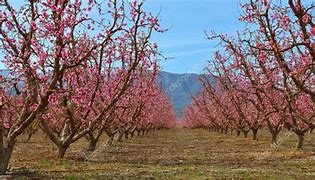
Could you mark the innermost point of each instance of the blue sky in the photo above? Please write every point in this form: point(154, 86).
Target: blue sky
point(188, 19)
point(185, 41)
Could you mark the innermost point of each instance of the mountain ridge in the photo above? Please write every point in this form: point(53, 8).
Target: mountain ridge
point(180, 88)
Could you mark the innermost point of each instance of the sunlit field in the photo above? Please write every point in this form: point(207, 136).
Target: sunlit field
point(171, 154)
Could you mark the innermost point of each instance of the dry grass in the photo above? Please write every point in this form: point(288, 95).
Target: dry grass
point(172, 154)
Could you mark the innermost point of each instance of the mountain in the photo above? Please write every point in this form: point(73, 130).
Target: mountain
point(180, 88)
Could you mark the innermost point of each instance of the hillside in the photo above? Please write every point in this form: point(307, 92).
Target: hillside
point(180, 88)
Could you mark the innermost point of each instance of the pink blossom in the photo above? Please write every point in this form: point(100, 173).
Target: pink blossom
point(53, 7)
point(33, 24)
point(306, 18)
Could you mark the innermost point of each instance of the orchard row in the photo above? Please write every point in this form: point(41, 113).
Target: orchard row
point(78, 69)
point(265, 76)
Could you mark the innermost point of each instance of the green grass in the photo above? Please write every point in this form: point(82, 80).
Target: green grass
point(46, 163)
point(71, 177)
point(173, 154)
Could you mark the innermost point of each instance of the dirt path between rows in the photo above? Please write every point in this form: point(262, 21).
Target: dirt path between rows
point(172, 154)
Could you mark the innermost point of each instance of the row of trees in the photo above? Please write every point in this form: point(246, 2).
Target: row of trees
point(264, 77)
point(78, 69)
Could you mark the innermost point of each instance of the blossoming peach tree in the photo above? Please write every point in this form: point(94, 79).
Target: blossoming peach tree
point(265, 76)
point(68, 63)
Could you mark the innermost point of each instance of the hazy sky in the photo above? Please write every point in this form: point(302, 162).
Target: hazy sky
point(187, 20)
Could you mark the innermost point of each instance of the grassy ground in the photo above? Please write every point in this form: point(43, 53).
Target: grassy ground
point(172, 154)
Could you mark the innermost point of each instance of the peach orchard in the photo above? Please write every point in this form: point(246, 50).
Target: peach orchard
point(78, 69)
point(265, 76)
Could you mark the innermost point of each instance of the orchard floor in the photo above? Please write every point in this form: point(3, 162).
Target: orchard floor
point(171, 154)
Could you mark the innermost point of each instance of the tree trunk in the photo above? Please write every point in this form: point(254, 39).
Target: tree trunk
point(120, 135)
point(274, 138)
point(110, 141)
point(238, 132)
point(132, 134)
point(62, 151)
point(231, 131)
point(4, 159)
point(29, 136)
point(245, 134)
point(300, 142)
point(126, 135)
point(143, 131)
point(138, 132)
point(6, 150)
point(255, 131)
point(92, 144)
